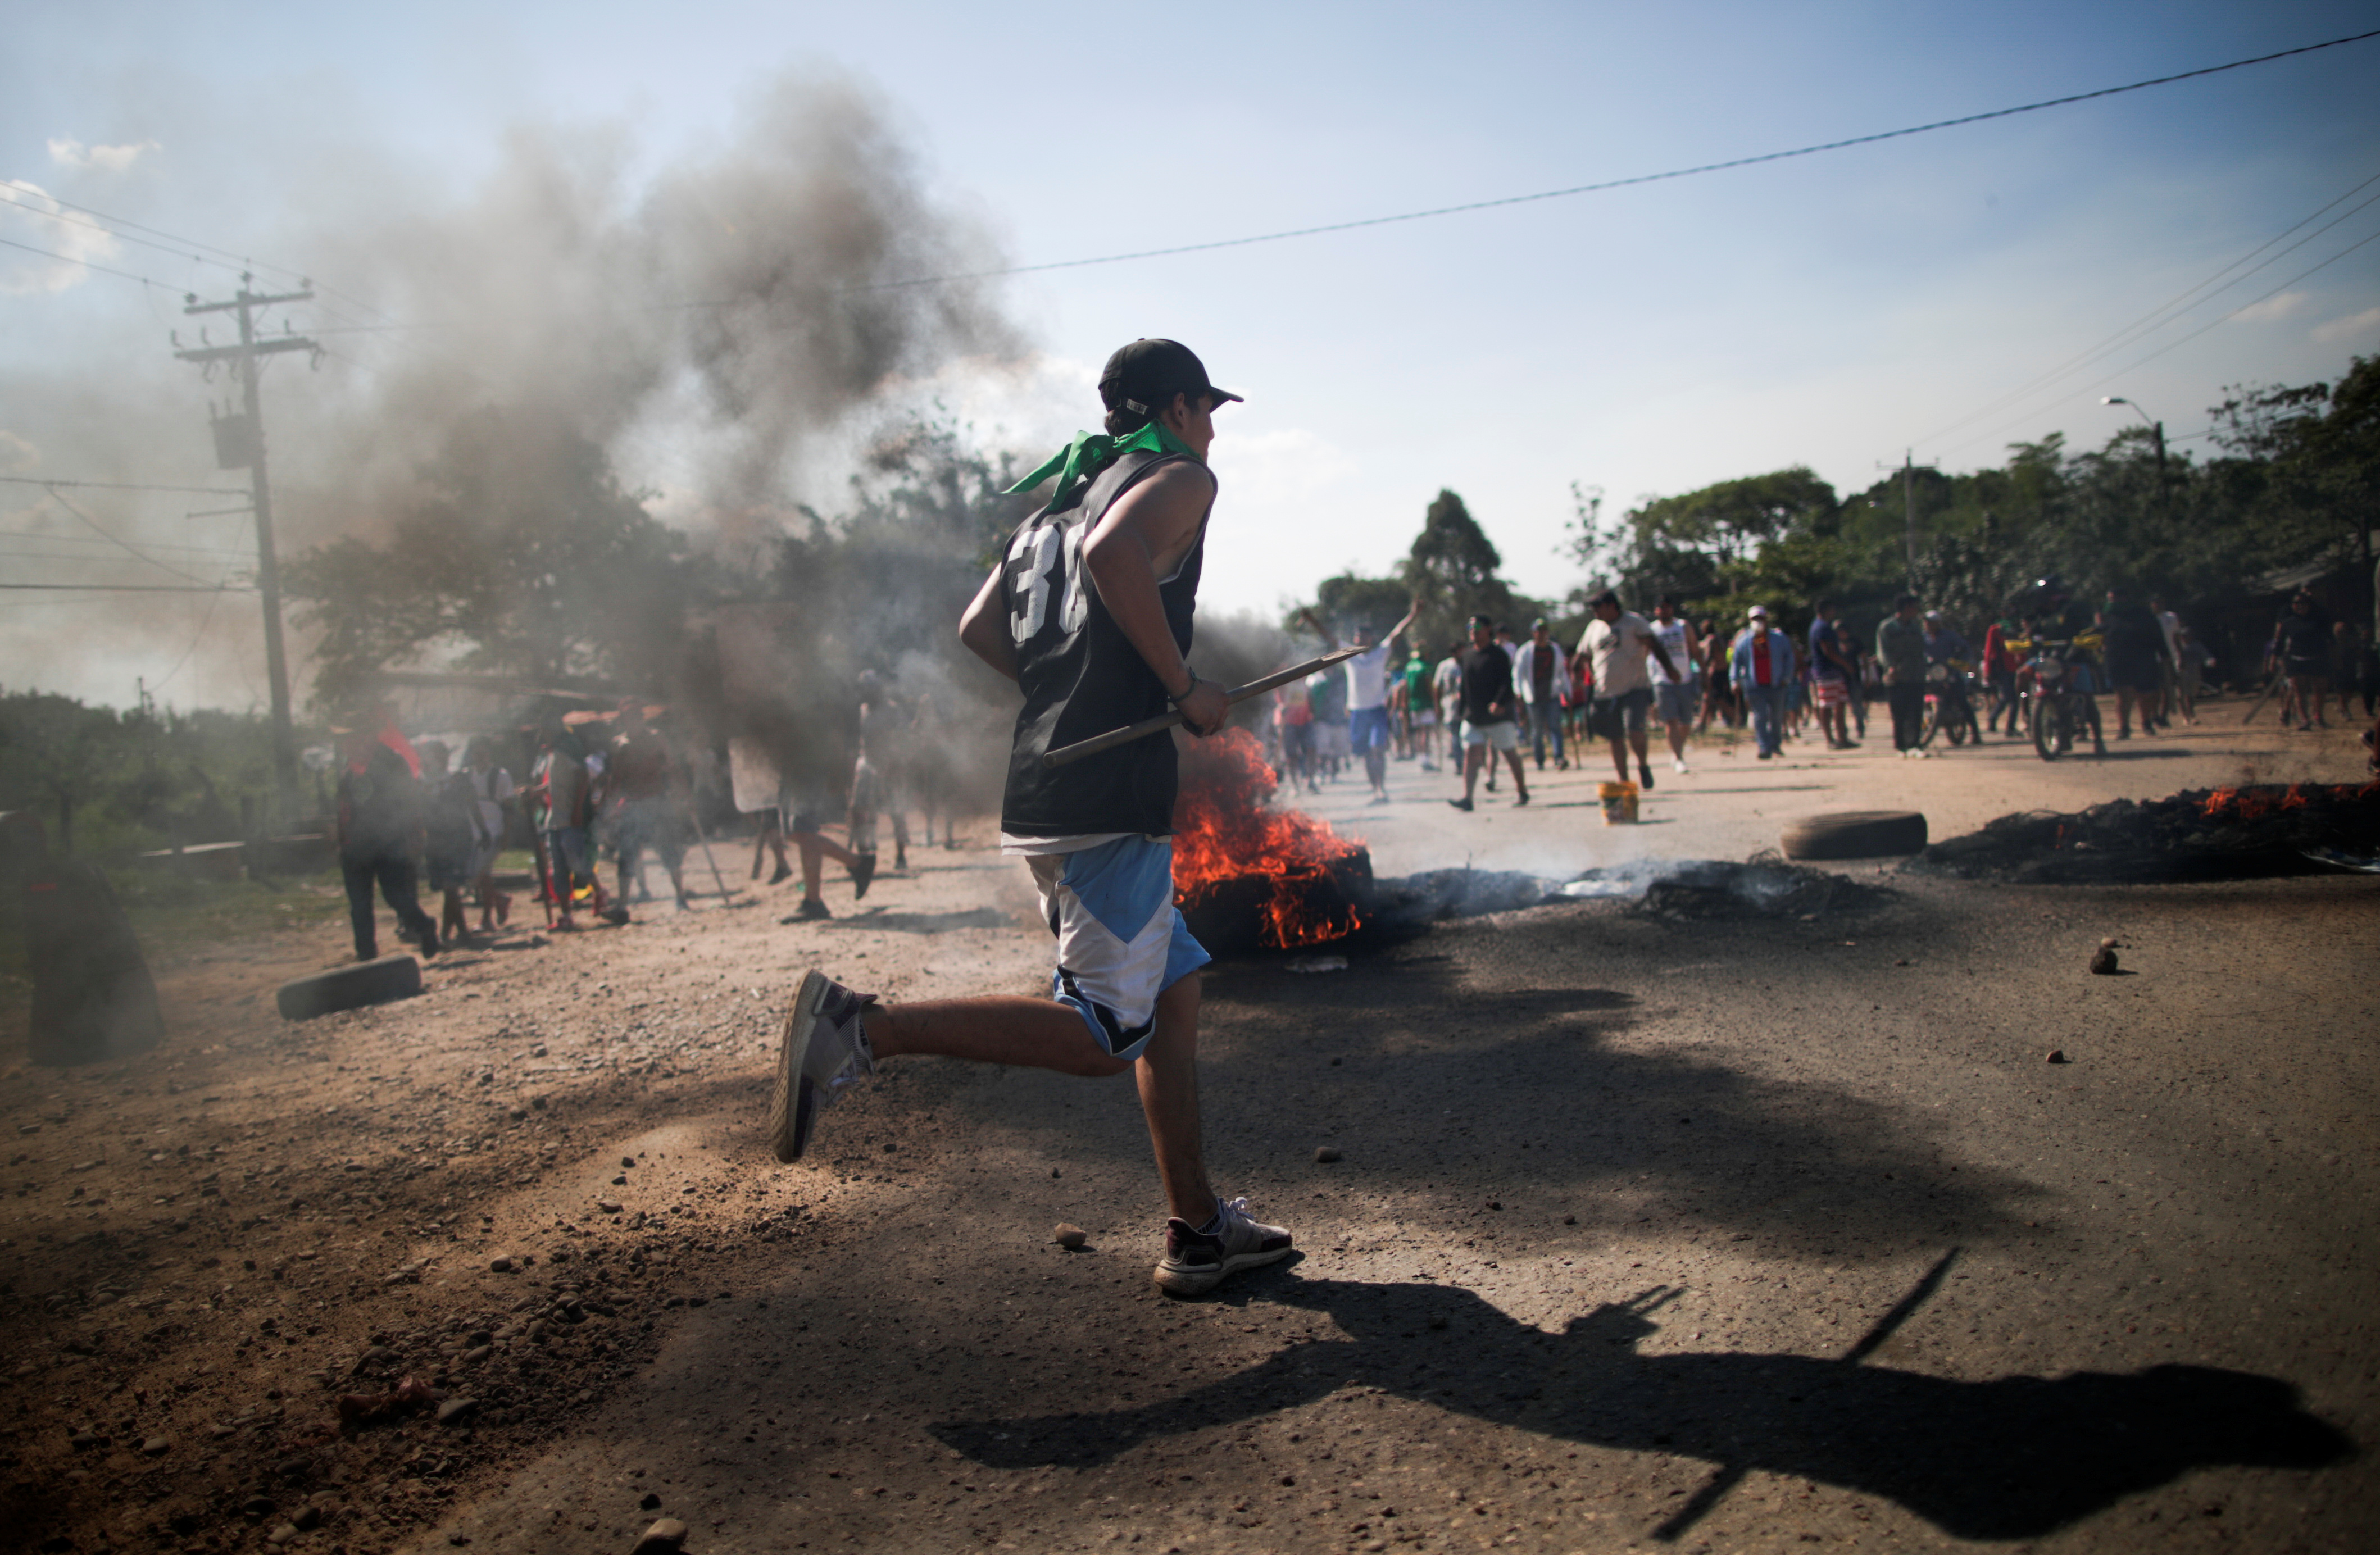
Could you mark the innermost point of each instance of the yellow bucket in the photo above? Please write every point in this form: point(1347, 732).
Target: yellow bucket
point(1619, 803)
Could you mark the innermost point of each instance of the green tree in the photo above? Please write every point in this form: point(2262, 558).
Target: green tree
point(1733, 519)
point(1455, 570)
point(2320, 443)
point(1351, 600)
point(524, 555)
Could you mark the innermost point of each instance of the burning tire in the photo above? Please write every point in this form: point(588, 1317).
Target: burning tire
point(348, 988)
point(1856, 834)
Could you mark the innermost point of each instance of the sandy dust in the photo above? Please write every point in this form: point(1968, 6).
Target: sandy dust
point(1618, 1199)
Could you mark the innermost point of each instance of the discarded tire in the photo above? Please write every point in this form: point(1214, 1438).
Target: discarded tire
point(348, 988)
point(1856, 834)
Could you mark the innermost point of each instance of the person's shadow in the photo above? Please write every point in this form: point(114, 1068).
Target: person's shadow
point(2013, 1458)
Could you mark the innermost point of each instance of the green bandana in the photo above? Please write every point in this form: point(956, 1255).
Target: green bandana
point(1092, 452)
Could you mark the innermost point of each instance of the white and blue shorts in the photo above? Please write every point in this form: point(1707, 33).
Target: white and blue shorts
point(1120, 939)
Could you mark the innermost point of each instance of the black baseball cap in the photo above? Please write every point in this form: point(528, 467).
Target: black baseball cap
point(1145, 376)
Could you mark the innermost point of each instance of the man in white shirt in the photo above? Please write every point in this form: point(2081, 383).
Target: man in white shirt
point(1675, 694)
point(1367, 697)
point(1540, 675)
point(1617, 642)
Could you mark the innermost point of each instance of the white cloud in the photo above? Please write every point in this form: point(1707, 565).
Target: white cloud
point(2349, 327)
point(2279, 307)
point(67, 151)
point(29, 216)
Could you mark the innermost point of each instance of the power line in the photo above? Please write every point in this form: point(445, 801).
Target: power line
point(133, 588)
point(2172, 308)
point(153, 545)
point(122, 486)
point(192, 242)
point(127, 546)
point(88, 265)
point(1605, 185)
point(8, 195)
point(2184, 340)
point(196, 638)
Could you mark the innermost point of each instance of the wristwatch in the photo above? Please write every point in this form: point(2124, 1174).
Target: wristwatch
point(1185, 690)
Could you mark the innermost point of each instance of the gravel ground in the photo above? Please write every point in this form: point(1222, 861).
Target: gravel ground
point(1732, 1235)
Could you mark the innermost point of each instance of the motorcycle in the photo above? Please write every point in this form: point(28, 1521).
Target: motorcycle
point(1949, 704)
point(2061, 675)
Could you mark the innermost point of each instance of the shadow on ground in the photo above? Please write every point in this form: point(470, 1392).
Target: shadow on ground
point(925, 923)
point(1452, 1094)
point(2016, 1457)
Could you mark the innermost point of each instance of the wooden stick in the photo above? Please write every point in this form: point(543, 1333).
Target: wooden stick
point(1164, 721)
point(2262, 696)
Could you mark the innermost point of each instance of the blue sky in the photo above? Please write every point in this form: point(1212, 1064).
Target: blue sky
point(1832, 311)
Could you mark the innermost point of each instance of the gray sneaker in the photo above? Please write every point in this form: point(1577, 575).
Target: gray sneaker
point(1196, 1261)
point(823, 1053)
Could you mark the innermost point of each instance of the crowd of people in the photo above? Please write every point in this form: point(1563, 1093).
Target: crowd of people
point(625, 786)
point(1496, 699)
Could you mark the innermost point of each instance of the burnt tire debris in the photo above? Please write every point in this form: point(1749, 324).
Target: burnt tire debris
point(350, 988)
point(2249, 833)
point(1855, 834)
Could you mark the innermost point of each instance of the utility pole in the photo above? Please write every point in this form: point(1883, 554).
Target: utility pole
point(2162, 509)
point(1908, 508)
point(1909, 468)
point(239, 440)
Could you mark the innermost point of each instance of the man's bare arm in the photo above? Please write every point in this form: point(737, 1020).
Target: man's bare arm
point(983, 626)
point(1145, 534)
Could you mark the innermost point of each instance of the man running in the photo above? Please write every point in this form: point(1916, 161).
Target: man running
point(1832, 675)
point(1089, 612)
point(1541, 675)
point(1617, 642)
point(1675, 687)
point(1368, 696)
point(1488, 708)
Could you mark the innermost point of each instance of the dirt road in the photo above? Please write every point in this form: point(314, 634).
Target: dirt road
point(1736, 1234)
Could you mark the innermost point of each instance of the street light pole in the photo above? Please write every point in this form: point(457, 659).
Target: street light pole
point(2156, 430)
point(2157, 434)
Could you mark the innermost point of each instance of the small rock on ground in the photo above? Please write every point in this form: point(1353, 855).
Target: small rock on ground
point(662, 1538)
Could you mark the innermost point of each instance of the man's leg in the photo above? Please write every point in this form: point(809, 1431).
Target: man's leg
point(1619, 745)
point(1640, 740)
point(1519, 778)
point(1474, 757)
point(630, 854)
point(996, 1029)
point(558, 881)
point(1167, 1075)
point(1371, 730)
point(1763, 712)
point(357, 877)
point(397, 889)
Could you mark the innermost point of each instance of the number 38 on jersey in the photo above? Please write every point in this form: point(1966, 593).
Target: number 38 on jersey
point(1045, 563)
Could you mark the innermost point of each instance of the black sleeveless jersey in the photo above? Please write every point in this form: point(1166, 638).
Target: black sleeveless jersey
point(1082, 676)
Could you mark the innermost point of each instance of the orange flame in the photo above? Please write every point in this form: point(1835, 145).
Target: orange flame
point(2253, 802)
point(1224, 830)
